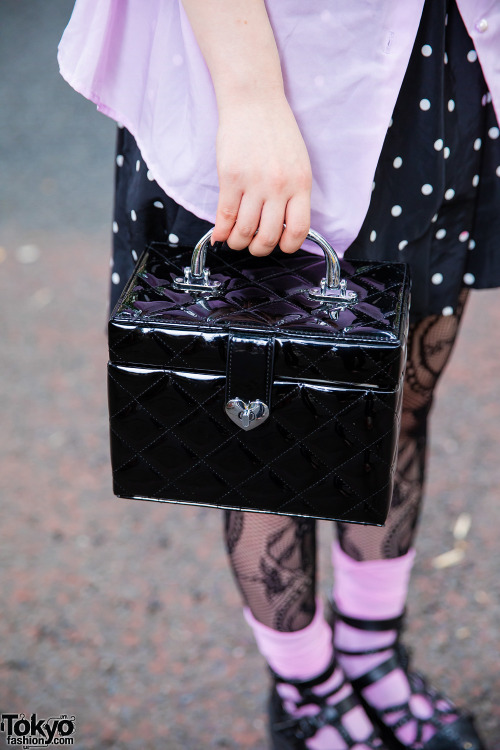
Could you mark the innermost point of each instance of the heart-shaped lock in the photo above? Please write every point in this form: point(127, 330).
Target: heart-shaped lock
point(247, 416)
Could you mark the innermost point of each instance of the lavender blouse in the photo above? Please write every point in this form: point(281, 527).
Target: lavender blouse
point(343, 63)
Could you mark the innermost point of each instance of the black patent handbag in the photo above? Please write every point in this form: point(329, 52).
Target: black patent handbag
point(259, 384)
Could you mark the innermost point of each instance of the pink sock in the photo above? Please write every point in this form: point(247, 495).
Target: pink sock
point(376, 590)
point(303, 655)
point(299, 655)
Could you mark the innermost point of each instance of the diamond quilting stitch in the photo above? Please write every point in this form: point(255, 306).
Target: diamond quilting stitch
point(172, 428)
point(136, 401)
point(358, 276)
point(233, 488)
point(276, 458)
point(168, 431)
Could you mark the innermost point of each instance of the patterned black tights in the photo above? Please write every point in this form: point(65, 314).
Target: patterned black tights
point(274, 557)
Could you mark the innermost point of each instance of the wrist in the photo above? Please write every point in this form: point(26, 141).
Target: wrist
point(248, 91)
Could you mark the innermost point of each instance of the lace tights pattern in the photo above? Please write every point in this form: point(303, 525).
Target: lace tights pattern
point(274, 557)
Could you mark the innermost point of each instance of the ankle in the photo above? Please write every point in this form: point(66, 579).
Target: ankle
point(349, 642)
point(296, 655)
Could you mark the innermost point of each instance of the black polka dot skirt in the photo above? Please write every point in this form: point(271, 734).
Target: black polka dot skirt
point(436, 194)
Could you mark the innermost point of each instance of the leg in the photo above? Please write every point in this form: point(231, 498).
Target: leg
point(430, 344)
point(373, 568)
point(273, 559)
point(274, 563)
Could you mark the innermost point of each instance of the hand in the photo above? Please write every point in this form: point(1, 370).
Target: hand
point(264, 177)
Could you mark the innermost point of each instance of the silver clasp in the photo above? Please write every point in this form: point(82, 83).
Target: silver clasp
point(247, 416)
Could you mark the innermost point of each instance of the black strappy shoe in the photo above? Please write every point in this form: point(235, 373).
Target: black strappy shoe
point(290, 733)
point(458, 734)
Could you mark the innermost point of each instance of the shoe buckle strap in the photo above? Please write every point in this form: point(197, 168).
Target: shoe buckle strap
point(373, 626)
point(302, 685)
point(375, 674)
point(367, 651)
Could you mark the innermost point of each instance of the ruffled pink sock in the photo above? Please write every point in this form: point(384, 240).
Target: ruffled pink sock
point(377, 590)
point(302, 655)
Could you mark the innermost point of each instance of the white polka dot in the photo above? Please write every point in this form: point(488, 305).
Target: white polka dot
point(472, 244)
point(437, 278)
point(373, 235)
point(396, 210)
point(173, 239)
point(434, 218)
point(425, 104)
point(115, 227)
point(440, 234)
point(373, 187)
point(402, 244)
point(497, 171)
point(446, 152)
point(120, 160)
point(463, 236)
point(488, 97)
point(133, 215)
point(484, 100)
point(390, 123)
point(150, 176)
point(319, 81)
point(438, 145)
point(111, 262)
point(475, 180)
point(426, 50)
point(137, 165)
point(445, 59)
point(447, 311)
point(177, 60)
point(134, 254)
point(158, 204)
point(397, 162)
point(477, 144)
point(115, 278)
point(469, 278)
point(449, 194)
point(493, 133)
point(451, 105)
point(472, 55)
point(426, 189)
point(120, 125)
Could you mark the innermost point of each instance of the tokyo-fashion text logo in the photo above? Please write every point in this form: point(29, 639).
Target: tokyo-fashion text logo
point(26, 732)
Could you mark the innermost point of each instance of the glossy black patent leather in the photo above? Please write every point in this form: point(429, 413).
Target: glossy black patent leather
point(333, 380)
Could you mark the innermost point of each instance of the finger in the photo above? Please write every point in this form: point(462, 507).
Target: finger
point(227, 213)
point(246, 224)
point(298, 222)
point(270, 228)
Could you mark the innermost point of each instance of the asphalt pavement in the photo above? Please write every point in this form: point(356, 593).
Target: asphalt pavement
point(123, 614)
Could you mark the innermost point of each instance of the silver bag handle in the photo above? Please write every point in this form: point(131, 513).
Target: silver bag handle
point(332, 287)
